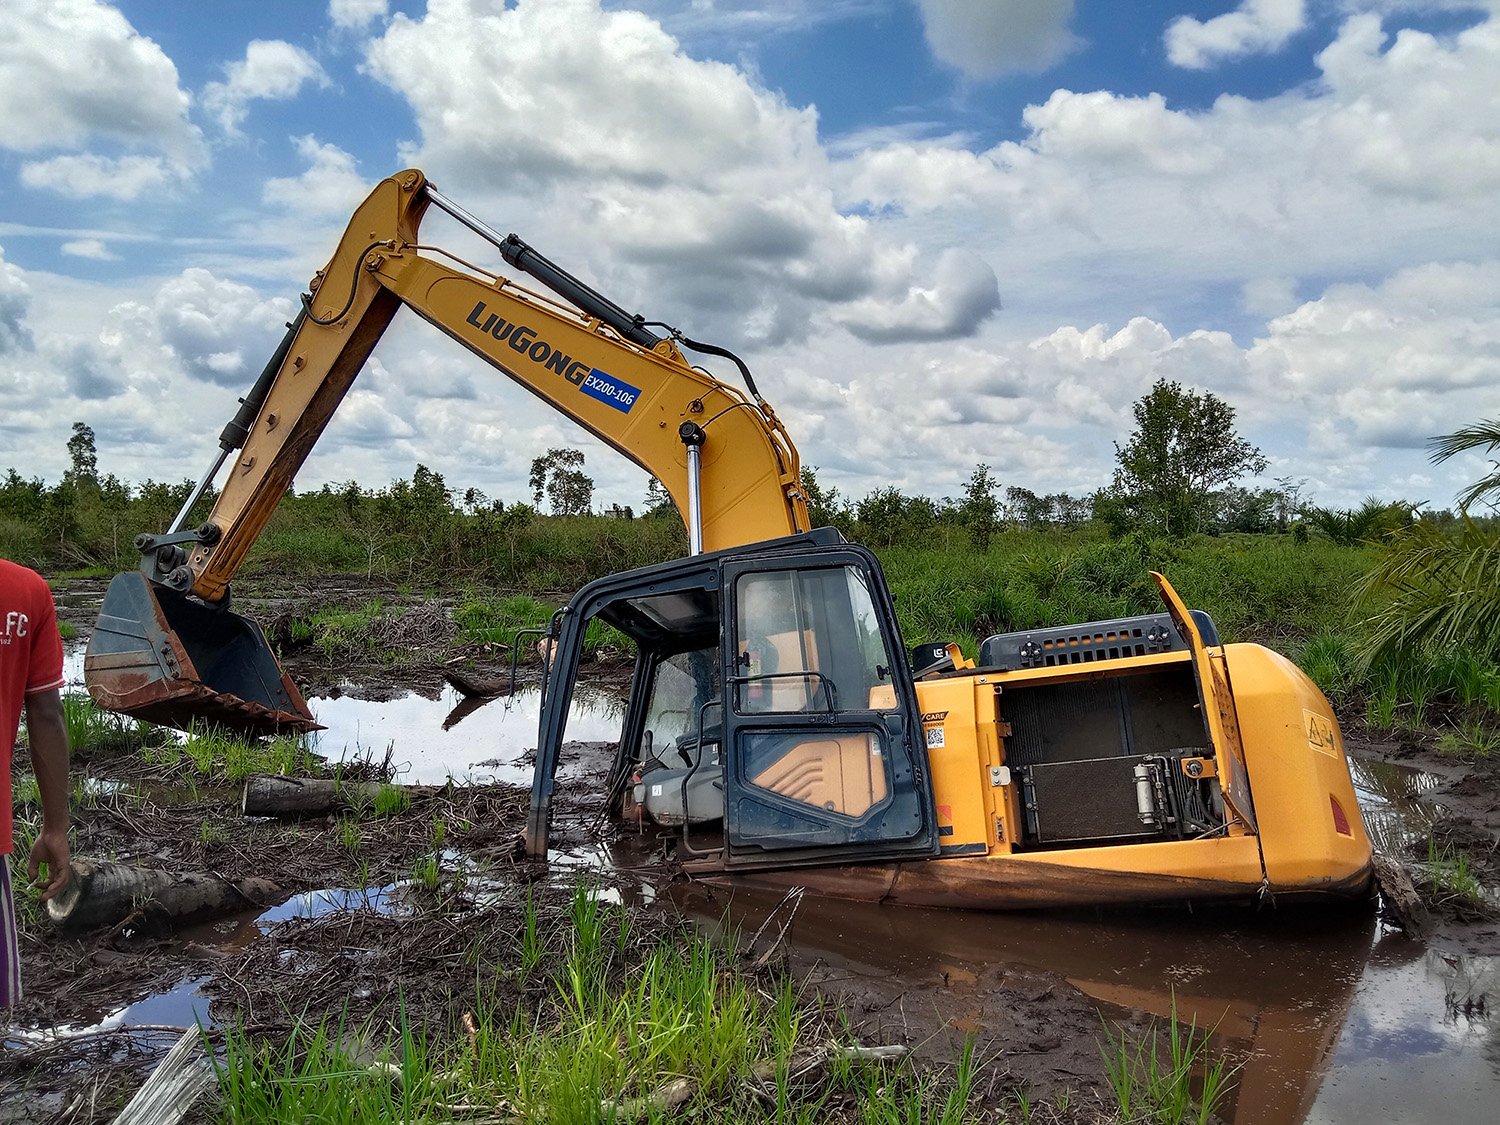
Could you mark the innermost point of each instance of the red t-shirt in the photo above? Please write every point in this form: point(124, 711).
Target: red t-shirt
point(31, 660)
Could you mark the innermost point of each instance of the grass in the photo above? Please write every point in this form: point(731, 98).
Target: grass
point(216, 755)
point(336, 630)
point(483, 620)
point(1450, 875)
point(391, 800)
point(351, 835)
point(1471, 739)
point(606, 1018)
point(1165, 1080)
point(90, 729)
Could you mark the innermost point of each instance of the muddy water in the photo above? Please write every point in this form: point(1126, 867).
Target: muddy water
point(1331, 1018)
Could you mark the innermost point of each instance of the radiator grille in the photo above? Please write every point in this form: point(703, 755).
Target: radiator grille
point(1084, 801)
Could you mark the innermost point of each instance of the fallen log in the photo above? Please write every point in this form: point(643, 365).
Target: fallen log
point(1400, 896)
point(476, 687)
point(273, 795)
point(105, 894)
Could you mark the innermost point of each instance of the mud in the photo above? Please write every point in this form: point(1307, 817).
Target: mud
point(358, 933)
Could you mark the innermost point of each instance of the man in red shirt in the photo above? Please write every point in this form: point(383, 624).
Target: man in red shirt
point(31, 675)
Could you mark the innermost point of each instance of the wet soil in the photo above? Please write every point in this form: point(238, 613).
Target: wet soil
point(409, 938)
point(1466, 828)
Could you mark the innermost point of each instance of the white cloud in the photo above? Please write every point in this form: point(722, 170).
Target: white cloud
point(1268, 296)
point(1420, 119)
point(271, 69)
point(134, 370)
point(87, 175)
point(92, 248)
point(1255, 27)
point(1393, 364)
point(962, 294)
point(1128, 234)
point(330, 186)
point(924, 177)
point(15, 297)
point(356, 15)
point(988, 39)
point(709, 191)
point(1104, 129)
point(216, 329)
point(1393, 157)
point(75, 72)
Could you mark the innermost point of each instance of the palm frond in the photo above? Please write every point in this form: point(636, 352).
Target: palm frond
point(1434, 588)
point(1483, 436)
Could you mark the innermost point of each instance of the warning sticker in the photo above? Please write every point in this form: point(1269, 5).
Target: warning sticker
point(1320, 733)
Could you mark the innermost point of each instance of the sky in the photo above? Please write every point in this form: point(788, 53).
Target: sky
point(942, 233)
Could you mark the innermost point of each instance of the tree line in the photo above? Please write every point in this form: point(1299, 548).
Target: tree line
point(1176, 475)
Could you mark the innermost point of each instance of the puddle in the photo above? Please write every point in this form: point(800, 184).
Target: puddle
point(488, 743)
point(182, 1005)
point(432, 740)
point(1388, 801)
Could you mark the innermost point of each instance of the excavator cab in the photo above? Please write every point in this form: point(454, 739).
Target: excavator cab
point(168, 658)
point(769, 722)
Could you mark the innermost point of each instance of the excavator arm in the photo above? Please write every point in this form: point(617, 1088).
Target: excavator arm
point(167, 648)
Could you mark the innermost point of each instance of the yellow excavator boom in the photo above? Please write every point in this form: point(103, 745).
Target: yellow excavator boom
point(722, 455)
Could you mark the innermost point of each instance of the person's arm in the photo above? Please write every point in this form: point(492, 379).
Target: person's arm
point(47, 735)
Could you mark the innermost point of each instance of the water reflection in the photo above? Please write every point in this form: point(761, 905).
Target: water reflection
point(1389, 801)
point(491, 743)
point(1410, 1051)
point(1331, 1017)
point(1275, 988)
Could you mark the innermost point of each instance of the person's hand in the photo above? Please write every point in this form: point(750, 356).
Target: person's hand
point(51, 848)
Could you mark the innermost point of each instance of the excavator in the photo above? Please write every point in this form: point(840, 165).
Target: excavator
point(777, 728)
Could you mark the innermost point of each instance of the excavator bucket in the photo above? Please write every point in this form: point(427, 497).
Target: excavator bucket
point(159, 656)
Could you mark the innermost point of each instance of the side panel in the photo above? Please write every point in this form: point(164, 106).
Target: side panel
point(962, 742)
point(1310, 828)
point(1217, 697)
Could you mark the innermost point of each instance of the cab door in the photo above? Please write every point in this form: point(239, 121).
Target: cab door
point(1217, 699)
point(824, 759)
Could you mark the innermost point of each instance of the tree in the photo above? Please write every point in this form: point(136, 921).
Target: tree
point(823, 503)
point(658, 499)
point(83, 456)
point(1184, 447)
point(1025, 507)
point(888, 516)
point(558, 475)
point(979, 511)
point(1484, 435)
point(1288, 503)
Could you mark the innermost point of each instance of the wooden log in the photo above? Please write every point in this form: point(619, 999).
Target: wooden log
point(1401, 897)
point(105, 894)
point(659, 1101)
point(271, 795)
point(476, 687)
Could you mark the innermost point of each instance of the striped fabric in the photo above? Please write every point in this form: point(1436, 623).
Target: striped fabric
point(10, 952)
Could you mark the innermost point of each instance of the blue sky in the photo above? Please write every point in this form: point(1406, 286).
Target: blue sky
point(942, 232)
